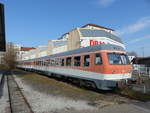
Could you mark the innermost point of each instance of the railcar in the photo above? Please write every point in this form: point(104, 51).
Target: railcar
point(101, 66)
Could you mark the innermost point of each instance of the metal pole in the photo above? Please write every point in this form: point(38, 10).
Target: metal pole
point(149, 72)
point(139, 71)
point(144, 89)
point(142, 50)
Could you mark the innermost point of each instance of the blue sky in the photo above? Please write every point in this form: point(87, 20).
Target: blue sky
point(34, 22)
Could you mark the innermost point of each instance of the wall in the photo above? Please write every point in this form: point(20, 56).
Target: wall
point(74, 40)
point(50, 47)
point(60, 49)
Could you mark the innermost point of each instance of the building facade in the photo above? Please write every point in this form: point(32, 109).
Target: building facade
point(87, 35)
point(92, 34)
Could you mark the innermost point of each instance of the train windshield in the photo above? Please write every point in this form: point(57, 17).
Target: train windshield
point(118, 59)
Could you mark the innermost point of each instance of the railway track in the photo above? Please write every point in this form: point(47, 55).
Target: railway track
point(18, 102)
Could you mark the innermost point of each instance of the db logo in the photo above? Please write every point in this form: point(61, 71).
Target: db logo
point(94, 42)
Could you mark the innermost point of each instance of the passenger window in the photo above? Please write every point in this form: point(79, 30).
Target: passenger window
point(62, 62)
point(68, 61)
point(98, 59)
point(46, 63)
point(40, 62)
point(77, 61)
point(86, 60)
point(52, 62)
point(57, 61)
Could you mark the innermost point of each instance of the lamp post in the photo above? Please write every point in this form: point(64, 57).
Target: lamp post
point(142, 47)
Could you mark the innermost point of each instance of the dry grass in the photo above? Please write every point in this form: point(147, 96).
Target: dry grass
point(54, 87)
point(51, 86)
point(135, 95)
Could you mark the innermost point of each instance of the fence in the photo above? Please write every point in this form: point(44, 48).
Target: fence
point(142, 70)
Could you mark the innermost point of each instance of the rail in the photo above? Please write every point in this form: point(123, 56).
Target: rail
point(18, 102)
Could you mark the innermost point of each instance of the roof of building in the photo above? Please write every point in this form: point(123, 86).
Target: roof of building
point(99, 33)
point(141, 60)
point(95, 25)
point(27, 48)
point(62, 36)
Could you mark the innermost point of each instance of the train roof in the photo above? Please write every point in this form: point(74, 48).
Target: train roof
point(82, 50)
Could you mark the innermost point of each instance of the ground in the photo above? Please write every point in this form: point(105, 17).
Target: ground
point(47, 95)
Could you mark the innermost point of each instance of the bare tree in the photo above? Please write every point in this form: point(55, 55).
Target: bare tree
point(10, 56)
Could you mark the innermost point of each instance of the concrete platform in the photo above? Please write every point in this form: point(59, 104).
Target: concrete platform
point(4, 100)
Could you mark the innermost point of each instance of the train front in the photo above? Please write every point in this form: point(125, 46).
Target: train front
point(117, 68)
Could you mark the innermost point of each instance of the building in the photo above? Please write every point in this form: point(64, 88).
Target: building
point(90, 35)
point(41, 51)
point(1, 58)
point(142, 61)
point(57, 46)
point(23, 51)
point(87, 35)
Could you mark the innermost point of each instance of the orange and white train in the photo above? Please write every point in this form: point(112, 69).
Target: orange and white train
point(101, 66)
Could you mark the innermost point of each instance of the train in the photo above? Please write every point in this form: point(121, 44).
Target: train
point(101, 66)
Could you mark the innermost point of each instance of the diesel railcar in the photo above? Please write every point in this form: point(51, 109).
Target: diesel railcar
point(101, 66)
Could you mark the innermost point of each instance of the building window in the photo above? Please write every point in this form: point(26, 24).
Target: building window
point(77, 61)
point(68, 61)
point(62, 62)
point(98, 59)
point(87, 60)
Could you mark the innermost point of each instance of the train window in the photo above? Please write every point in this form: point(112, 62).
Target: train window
point(38, 62)
point(41, 62)
point(52, 62)
point(114, 58)
point(57, 61)
point(62, 62)
point(98, 59)
point(118, 59)
point(124, 59)
point(68, 61)
point(46, 63)
point(86, 60)
point(77, 61)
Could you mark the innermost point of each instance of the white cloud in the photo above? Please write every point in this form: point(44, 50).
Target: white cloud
point(139, 25)
point(105, 3)
point(139, 39)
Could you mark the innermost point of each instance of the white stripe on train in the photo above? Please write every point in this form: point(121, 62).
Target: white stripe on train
point(81, 73)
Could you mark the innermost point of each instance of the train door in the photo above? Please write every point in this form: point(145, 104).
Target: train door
point(98, 63)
